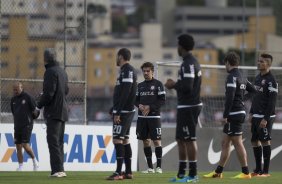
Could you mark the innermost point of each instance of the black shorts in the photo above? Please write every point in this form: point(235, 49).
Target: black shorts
point(261, 134)
point(149, 128)
point(23, 135)
point(122, 130)
point(233, 127)
point(187, 120)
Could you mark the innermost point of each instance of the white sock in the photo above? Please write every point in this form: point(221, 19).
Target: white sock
point(34, 161)
point(20, 165)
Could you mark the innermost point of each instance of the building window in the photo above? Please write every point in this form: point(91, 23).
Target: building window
point(21, 4)
point(97, 72)
point(33, 49)
point(207, 57)
point(4, 49)
point(137, 56)
point(60, 5)
point(167, 72)
point(167, 56)
point(69, 18)
point(97, 56)
point(4, 64)
point(69, 5)
point(80, 5)
point(178, 18)
point(33, 65)
point(74, 50)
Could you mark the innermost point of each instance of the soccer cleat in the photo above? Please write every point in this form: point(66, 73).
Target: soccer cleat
point(213, 175)
point(115, 176)
point(63, 174)
point(192, 179)
point(159, 170)
point(20, 169)
point(178, 180)
point(127, 175)
point(242, 176)
point(263, 175)
point(57, 175)
point(185, 179)
point(148, 171)
point(254, 174)
point(35, 167)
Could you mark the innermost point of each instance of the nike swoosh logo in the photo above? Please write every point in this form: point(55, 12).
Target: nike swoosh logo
point(275, 151)
point(213, 156)
point(166, 149)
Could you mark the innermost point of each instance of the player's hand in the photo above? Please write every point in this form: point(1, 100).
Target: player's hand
point(169, 84)
point(35, 114)
point(146, 110)
point(263, 123)
point(224, 121)
point(141, 107)
point(117, 119)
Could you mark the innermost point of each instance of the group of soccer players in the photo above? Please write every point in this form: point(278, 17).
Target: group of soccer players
point(149, 95)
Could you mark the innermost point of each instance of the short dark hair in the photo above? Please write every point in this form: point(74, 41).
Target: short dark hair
point(265, 55)
point(232, 58)
point(125, 53)
point(50, 55)
point(186, 41)
point(147, 65)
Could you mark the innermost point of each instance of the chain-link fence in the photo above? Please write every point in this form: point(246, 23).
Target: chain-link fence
point(27, 28)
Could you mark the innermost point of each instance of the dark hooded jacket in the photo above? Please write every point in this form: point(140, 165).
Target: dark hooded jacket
point(55, 89)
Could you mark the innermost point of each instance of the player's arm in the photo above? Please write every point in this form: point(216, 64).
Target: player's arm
point(251, 91)
point(229, 95)
point(272, 91)
point(66, 85)
point(187, 79)
point(49, 89)
point(160, 98)
point(11, 105)
point(137, 100)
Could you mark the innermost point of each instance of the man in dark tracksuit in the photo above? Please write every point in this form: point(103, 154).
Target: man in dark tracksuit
point(233, 117)
point(188, 87)
point(150, 97)
point(53, 99)
point(23, 110)
point(123, 112)
point(262, 115)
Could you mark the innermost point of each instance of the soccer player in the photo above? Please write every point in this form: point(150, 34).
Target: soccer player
point(123, 112)
point(262, 114)
point(188, 87)
point(23, 108)
point(150, 97)
point(53, 99)
point(233, 117)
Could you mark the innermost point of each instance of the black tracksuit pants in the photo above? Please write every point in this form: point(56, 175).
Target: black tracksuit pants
point(55, 140)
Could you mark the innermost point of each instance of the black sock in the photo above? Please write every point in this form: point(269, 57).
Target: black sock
point(245, 170)
point(258, 154)
point(148, 155)
point(159, 153)
point(119, 157)
point(266, 158)
point(127, 158)
point(219, 169)
point(192, 168)
point(182, 168)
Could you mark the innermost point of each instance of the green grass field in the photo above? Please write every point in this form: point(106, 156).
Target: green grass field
point(99, 178)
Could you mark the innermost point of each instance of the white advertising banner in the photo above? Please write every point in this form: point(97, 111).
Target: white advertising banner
point(87, 148)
